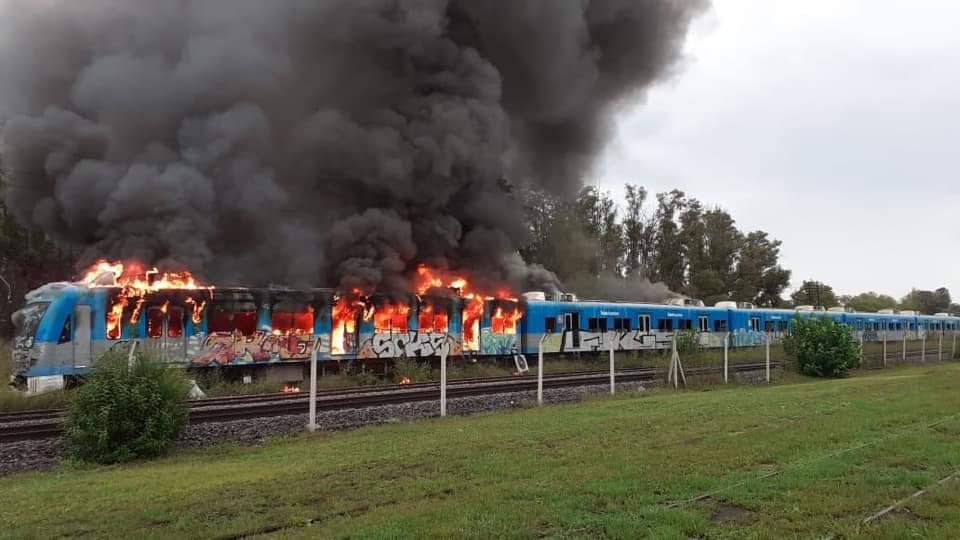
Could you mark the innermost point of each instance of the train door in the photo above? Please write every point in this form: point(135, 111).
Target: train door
point(82, 339)
point(571, 324)
point(165, 336)
point(643, 324)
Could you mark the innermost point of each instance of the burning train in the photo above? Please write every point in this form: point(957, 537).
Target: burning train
point(64, 327)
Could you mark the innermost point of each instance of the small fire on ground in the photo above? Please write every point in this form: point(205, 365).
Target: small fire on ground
point(291, 389)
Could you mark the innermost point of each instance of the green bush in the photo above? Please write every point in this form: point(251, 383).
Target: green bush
point(127, 412)
point(410, 370)
point(822, 347)
point(688, 341)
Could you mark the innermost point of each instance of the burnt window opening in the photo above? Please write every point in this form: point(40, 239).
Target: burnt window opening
point(550, 325)
point(592, 324)
point(391, 318)
point(174, 322)
point(686, 324)
point(234, 313)
point(768, 326)
point(665, 325)
point(755, 324)
point(703, 323)
point(603, 325)
point(289, 318)
point(720, 325)
point(154, 322)
point(782, 325)
point(433, 318)
point(618, 324)
point(504, 315)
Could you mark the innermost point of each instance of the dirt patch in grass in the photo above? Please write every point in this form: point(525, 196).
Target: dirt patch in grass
point(727, 512)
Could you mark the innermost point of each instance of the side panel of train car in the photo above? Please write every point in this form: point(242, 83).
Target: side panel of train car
point(65, 327)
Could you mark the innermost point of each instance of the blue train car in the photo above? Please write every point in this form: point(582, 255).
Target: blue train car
point(65, 326)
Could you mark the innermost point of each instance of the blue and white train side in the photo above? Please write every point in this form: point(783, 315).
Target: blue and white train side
point(64, 327)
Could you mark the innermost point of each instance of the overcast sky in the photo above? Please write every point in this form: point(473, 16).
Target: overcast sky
point(831, 124)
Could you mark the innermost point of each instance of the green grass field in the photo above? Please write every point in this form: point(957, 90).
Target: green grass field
point(614, 467)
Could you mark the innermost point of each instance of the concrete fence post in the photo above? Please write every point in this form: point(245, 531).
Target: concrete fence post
point(443, 383)
point(953, 350)
point(312, 423)
point(726, 358)
point(884, 360)
point(613, 381)
point(863, 356)
point(940, 357)
point(767, 340)
point(904, 355)
point(540, 370)
point(923, 350)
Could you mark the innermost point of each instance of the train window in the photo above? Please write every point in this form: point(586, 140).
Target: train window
point(704, 323)
point(66, 332)
point(625, 325)
point(592, 324)
point(720, 325)
point(175, 322)
point(550, 325)
point(643, 323)
point(665, 325)
point(618, 324)
point(154, 322)
point(603, 324)
point(768, 326)
point(782, 326)
point(755, 324)
point(233, 316)
point(686, 324)
point(292, 322)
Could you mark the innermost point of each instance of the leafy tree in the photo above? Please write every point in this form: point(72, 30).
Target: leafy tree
point(823, 347)
point(758, 277)
point(28, 259)
point(927, 302)
point(668, 258)
point(815, 293)
point(869, 302)
point(638, 233)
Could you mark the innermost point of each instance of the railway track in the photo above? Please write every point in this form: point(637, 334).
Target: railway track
point(46, 424)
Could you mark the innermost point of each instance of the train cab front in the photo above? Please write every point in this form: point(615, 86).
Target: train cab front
point(38, 330)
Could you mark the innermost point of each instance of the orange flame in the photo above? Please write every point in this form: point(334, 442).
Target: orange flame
point(135, 281)
point(505, 322)
point(345, 313)
point(291, 389)
point(405, 380)
point(391, 317)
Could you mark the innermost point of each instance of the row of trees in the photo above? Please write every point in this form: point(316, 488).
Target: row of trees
point(923, 301)
point(28, 259)
point(692, 248)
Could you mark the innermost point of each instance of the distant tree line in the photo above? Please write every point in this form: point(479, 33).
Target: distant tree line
point(28, 259)
point(926, 302)
point(692, 248)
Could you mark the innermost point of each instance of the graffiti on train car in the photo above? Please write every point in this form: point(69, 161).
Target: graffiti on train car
point(235, 348)
point(409, 344)
point(494, 343)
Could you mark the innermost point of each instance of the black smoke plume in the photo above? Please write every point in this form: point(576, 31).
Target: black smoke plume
point(312, 142)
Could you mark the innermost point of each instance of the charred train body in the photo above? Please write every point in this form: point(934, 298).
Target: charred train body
point(65, 327)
